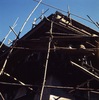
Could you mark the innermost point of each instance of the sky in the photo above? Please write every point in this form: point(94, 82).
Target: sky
point(10, 10)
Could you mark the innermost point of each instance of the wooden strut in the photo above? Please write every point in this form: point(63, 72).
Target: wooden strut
point(47, 60)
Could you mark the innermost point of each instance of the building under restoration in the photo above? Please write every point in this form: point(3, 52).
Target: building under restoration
point(56, 60)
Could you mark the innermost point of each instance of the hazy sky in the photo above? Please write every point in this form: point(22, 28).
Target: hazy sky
point(11, 9)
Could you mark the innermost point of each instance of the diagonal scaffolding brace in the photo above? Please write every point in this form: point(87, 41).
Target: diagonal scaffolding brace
point(14, 25)
point(22, 83)
point(91, 73)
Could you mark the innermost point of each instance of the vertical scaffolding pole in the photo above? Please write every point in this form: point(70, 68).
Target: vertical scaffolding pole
point(47, 60)
point(88, 91)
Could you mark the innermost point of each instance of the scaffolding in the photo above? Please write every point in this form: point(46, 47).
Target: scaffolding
point(58, 58)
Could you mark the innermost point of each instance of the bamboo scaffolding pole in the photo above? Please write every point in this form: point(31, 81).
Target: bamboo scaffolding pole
point(14, 25)
point(47, 60)
point(87, 71)
point(93, 21)
point(56, 48)
point(29, 17)
point(82, 84)
point(88, 94)
point(2, 96)
point(40, 15)
point(13, 31)
point(63, 11)
point(14, 43)
point(96, 92)
point(22, 83)
point(74, 29)
point(50, 86)
point(5, 62)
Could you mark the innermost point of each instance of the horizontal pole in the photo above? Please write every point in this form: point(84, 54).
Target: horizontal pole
point(49, 86)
